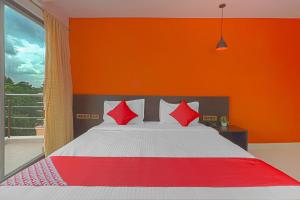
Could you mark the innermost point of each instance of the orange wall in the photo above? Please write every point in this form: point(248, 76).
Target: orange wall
point(260, 71)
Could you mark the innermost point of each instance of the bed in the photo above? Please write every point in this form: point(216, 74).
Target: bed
point(150, 161)
point(153, 140)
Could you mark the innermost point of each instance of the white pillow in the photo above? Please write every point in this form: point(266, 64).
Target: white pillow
point(166, 108)
point(136, 106)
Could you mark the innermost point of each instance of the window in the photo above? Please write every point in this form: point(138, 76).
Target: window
point(24, 55)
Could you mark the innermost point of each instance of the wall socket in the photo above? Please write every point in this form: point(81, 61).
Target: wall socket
point(210, 118)
point(87, 116)
point(95, 116)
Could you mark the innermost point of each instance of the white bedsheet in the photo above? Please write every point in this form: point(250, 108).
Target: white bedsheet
point(151, 139)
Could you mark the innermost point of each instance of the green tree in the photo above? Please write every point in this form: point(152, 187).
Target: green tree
point(10, 87)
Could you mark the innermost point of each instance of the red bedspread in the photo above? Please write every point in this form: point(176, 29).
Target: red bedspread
point(169, 172)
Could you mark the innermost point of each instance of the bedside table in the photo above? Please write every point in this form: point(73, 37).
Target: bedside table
point(235, 134)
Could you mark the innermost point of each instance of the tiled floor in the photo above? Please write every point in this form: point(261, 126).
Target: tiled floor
point(20, 150)
point(284, 156)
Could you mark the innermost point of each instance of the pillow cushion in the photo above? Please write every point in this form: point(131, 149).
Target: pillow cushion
point(136, 106)
point(184, 114)
point(122, 114)
point(166, 108)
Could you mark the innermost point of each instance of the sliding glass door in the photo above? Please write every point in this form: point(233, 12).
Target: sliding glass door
point(22, 95)
point(1, 90)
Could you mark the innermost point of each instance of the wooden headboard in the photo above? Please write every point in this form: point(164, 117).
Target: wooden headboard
point(88, 109)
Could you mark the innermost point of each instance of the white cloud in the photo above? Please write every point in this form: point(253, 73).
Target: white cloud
point(27, 62)
point(24, 48)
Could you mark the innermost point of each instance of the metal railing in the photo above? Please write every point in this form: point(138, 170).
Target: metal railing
point(23, 114)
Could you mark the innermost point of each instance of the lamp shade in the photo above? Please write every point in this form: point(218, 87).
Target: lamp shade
point(221, 44)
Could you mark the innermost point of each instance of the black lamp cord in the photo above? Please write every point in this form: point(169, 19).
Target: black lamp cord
point(222, 23)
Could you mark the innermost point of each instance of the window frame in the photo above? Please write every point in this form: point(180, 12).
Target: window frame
point(17, 7)
point(2, 129)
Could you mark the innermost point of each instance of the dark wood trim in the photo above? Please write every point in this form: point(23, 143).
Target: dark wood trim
point(235, 134)
point(92, 105)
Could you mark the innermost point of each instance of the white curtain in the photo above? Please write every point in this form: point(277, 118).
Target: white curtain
point(58, 85)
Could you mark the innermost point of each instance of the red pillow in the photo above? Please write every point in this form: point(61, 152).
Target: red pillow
point(184, 114)
point(122, 114)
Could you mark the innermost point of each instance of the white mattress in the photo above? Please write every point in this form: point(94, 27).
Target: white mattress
point(151, 139)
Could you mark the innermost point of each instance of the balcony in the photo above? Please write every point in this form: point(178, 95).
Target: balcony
point(24, 131)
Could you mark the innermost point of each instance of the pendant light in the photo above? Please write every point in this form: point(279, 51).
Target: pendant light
point(222, 44)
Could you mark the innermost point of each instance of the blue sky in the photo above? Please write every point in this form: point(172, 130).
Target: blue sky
point(24, 48)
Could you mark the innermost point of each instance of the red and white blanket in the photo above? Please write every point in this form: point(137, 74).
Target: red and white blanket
point(150, 172)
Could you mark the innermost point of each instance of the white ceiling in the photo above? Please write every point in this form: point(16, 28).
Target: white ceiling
point(176, 8)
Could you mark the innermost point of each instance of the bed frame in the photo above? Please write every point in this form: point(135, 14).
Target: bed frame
point(88, 109)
